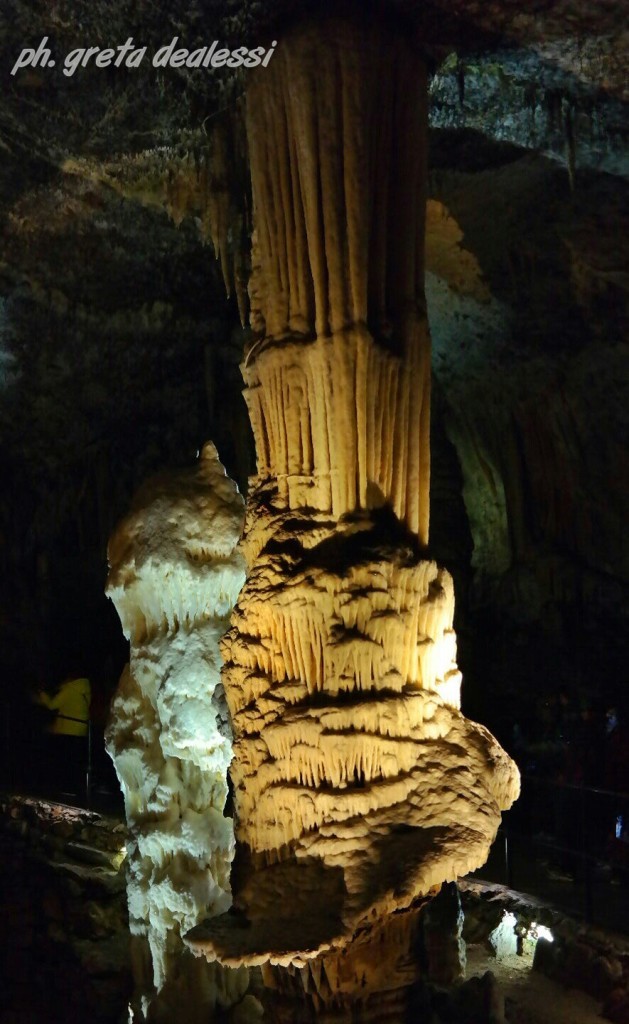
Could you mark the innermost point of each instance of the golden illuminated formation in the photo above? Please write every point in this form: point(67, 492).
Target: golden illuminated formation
point(359, 785)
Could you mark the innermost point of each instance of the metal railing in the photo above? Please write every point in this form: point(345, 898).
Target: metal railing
point(568, 844)
point(27, 751)
point(88, 754)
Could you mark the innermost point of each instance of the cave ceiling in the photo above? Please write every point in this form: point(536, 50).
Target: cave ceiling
point(119, 350)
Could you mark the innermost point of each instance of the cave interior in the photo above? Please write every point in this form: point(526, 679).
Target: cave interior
point(126, 220)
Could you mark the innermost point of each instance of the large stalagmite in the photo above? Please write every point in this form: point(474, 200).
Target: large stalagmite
point(174, 577)
point(359, 785)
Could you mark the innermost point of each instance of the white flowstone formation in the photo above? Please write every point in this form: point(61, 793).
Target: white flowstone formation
point(359, 786)
point(175, 574)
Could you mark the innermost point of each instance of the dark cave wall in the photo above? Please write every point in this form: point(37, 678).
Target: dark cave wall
point(530, 360)
point(120, 357)
point(65, 940)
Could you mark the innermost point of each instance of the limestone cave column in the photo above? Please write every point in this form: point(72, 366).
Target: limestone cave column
point(175, 574)
point(359, 786)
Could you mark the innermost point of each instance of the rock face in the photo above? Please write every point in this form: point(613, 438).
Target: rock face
point(175, 575)
point(359, 785)
point(530, 368)
point(65, 944)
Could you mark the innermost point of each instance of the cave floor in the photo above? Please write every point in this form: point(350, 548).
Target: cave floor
point(531, 997)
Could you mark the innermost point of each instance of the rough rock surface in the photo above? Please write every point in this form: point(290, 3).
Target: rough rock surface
point(351, 755)
point(174, 577)
point(577, 957)
point(65, 939)
point(359, 785)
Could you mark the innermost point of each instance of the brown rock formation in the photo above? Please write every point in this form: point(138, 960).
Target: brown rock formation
point(359, 786)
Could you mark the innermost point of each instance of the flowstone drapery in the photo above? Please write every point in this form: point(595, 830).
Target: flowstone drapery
point(174, 577)
point(359, 785)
